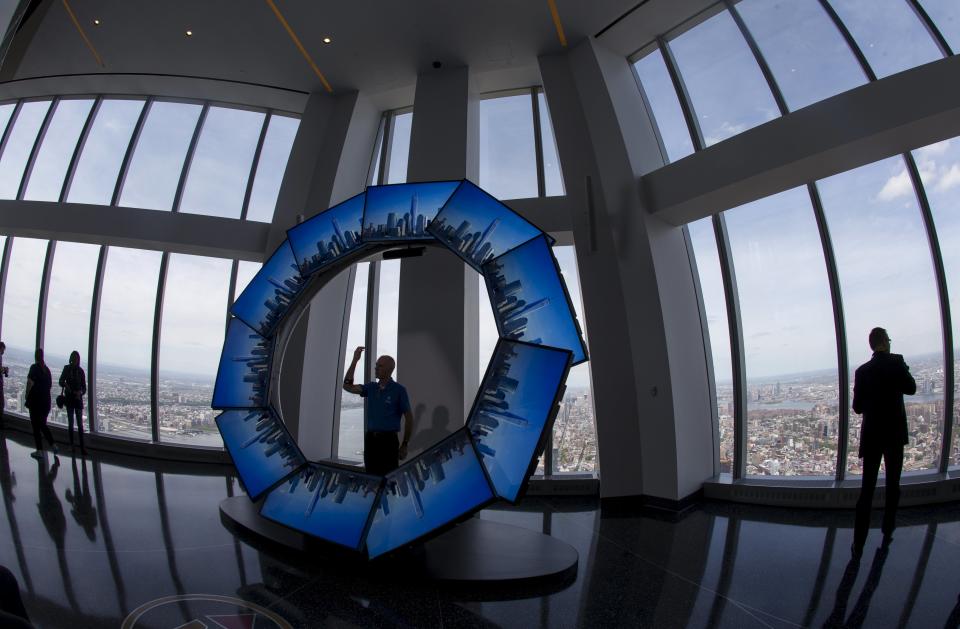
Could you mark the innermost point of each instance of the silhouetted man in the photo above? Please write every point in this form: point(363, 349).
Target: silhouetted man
point(387, 402)
point(878, 390)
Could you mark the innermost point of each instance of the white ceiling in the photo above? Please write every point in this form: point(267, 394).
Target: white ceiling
point(378, 45)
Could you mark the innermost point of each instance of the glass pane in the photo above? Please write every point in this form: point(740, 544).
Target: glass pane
point(665, 105)
point(388, 310)
point(102, 154)
point(191, 339)
point(946, 15)
point(872, 211)
point(124, 342)
point(20, 303)
point(789, 340)
point(575, 430)
point(889, 33)
point(6, 110)
point(552, 175)
point(726, 87)
point(714, 302)
point(350, 447)
point(157, 161)
point(67, 327)
point(273, 162)
point(488, 327)
point(245, 272)
point(805, 51)
point(939, 166)
point(19, 146)
point(217, 181)
point(399, 148)
point(56, 151)
point(508, 158)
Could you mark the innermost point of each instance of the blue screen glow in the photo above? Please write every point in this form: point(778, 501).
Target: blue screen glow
point(260, 446)
point(479, 228)
point(268, 295)
point(244, 372)
point(529, 301)
point(513, 405)
point(328, 236)
point(440, 485)
point(325, 501)
point(403, 211)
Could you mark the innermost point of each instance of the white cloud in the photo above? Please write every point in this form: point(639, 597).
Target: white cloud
point(895, 187)
point(949, 179)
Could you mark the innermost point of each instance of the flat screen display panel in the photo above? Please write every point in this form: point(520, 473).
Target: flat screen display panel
point(244, 373)
point(439, 486)
point(325, 501)
point(529, 300)
point(479, 228)
point(403, 211)
point(271, 291)
point(260, 446)
point(514, 404)
point(328, 236)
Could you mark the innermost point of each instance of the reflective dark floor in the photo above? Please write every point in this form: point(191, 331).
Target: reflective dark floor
point(93, 542)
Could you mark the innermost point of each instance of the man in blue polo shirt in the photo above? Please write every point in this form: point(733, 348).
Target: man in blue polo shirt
point(387, 401)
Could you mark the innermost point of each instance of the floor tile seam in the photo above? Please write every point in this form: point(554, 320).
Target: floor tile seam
point(742, 606)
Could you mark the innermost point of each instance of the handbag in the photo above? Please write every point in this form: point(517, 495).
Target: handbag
point(61, 399)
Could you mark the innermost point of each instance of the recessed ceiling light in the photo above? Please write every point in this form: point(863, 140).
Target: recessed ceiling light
point(327, 40)
point(96, 22)
point(189, 33)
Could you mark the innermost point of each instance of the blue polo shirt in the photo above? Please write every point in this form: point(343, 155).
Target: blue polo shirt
point(385, 407)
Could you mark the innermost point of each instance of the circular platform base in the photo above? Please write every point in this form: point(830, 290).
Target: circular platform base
point(474, 551)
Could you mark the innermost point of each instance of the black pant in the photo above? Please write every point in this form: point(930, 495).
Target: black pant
point(75, 411)
point(893, 458)
point(38, 420)
point(381, 452)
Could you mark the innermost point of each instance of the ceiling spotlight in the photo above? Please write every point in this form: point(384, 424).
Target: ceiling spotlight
point(96, 22)
point(327, 40)
point(189, 33)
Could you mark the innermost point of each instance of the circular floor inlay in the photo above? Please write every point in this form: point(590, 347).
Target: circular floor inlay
point(203, 611)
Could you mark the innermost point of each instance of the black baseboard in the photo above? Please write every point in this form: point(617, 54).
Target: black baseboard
point(624, 506)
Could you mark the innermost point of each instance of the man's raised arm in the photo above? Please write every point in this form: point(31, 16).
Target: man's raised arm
point(348, 384)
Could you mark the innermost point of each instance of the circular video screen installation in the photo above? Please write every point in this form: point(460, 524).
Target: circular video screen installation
point(491, 457)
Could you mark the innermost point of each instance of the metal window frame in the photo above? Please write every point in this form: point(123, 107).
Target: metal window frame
point(37, 141)
point(4, 269)
point(255, 165)
point(131, 149)
point(931, 27)
point(155, 349)
point(94, 337)
point(44, 291)
point(78, 149)
point(188, 158)
point(945, 315)
point(538, 143)
point(851, 42)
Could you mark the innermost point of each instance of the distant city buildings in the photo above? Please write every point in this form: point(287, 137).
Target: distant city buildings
point(410, 224)
point(475, 246)
point(339, 243)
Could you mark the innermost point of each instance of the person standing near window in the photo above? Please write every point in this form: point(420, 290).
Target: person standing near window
point(74, 383)
point(878, 390)
point(37, 399)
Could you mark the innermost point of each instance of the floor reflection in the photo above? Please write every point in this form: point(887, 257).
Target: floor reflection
point(141, 530)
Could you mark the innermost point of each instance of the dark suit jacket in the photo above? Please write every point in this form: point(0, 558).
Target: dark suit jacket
point(878, 389)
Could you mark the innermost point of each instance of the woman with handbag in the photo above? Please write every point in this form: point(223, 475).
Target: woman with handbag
point(37, 399)
point(74, 383)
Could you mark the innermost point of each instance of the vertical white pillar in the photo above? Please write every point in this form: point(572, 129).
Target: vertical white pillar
point(437, 343)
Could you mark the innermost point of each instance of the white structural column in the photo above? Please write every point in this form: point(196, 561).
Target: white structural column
point(437, 342)
point(328, 164)
point(650, 379)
